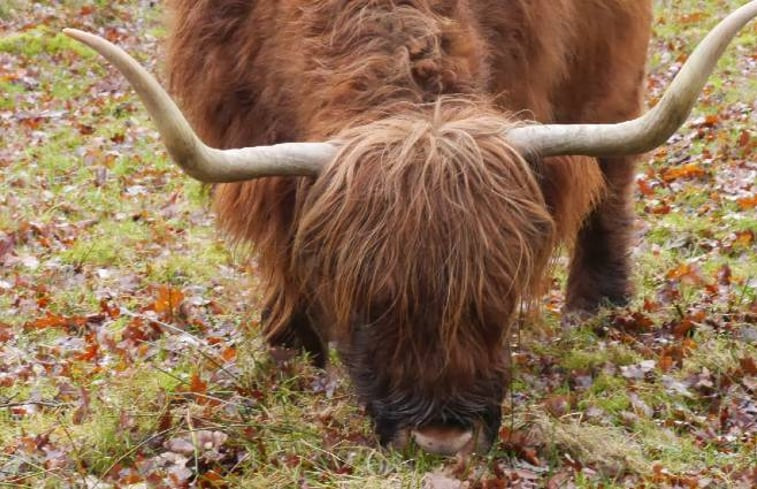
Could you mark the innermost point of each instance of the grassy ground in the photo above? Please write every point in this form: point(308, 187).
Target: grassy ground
point(128, 350)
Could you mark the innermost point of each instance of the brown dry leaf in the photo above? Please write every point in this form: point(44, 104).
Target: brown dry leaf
point(682, 328)
point(744, 138)
point(661, 209)
point(518, 441)
point(635, 321)
point(7, 243)
point(557, 405)
point(748, 366)
point(724, 275)
point(83, 410)
point(6, 333)
point(212, 479)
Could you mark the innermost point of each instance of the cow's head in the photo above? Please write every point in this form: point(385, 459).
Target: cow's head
point(416, 244)
point(421, 233)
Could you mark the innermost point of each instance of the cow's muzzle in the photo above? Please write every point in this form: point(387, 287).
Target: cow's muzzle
point(443, 440)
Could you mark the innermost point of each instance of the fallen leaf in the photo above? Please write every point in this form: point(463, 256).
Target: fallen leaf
point(440, 481)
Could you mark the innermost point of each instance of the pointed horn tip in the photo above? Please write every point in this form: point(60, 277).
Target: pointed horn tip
point(79, 35)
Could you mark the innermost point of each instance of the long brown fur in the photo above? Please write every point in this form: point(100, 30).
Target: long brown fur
point(400, 186)
point(426, 216)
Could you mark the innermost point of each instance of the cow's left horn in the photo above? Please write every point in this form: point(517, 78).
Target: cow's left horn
point(653, 128)
point(195, 158)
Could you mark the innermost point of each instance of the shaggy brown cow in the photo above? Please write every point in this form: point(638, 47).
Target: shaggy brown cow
point(411, 238)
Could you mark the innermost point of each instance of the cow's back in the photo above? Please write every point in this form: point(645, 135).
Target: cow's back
point(263, 72)
point(555, 57)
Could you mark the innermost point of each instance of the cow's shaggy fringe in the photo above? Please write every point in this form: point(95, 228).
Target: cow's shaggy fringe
point(370, 227)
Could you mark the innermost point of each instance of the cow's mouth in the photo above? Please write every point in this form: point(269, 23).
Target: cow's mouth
point(443, 440)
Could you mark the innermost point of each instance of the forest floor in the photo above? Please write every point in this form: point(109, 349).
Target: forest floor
point(129, 332)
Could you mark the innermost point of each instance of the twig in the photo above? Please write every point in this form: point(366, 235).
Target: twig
point(35, 403)
point(193, 435)
point(77, 448)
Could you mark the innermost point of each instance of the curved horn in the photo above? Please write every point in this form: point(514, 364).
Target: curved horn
point(192, 155)
point(653, 128)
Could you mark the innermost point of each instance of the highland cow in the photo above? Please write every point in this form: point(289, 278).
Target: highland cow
point(410, 238)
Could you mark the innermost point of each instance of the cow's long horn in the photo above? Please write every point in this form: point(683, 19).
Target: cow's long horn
point(195, 158)
point(653, 128)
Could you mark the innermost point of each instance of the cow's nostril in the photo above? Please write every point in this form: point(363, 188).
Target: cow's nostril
point(445, 440)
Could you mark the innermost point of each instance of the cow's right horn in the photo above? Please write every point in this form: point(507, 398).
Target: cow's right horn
point(192, 155)
point(653, 128)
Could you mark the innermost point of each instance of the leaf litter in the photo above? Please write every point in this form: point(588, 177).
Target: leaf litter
point(128, 343)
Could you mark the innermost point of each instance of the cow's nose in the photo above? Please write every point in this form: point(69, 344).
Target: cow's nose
point(444, 440)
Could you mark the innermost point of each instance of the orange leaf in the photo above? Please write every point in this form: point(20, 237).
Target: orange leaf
point(690, 170)
point(214, 340)
point(685, 273)
point(688, 345)
point(682, 328)
point(644, 187)
point(529, 455)
point(89, 354)
point(746, 203)
point(168, 300)
point(650, 305)
point(661, 209)
point(229, 354)
point(711, 120)
point(49, 321)
point(212, 479)
point(5, 332)
point(744, 239)
point(197, 385)
point(55, 321)
point(111, 311)
point(692, 18)
point(665, 363)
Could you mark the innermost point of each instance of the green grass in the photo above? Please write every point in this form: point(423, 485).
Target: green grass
point(41, 40)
